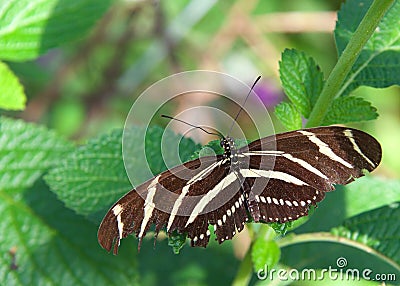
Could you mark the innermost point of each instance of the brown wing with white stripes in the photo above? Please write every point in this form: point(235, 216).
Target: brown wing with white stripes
point(186, 199)
point(307, 164)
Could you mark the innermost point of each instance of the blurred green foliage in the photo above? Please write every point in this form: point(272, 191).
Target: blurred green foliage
point(79, 65)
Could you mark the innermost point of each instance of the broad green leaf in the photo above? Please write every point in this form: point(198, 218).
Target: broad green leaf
point(349, 109)
point(26, 151)
point(30, 28)
point(44, 243)
point(288, 116)
point(264, 254)
point(369, 193)
point(12, 96)
point(302, 80)
point(379, 63)
point(378, 229)
point(93, 177)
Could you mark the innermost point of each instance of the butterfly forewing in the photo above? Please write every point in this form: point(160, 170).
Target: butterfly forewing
point(273, 179)
point(307, 164)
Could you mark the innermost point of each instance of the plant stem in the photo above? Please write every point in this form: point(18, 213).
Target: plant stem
point(328, 237)
point(347, 59)
point(245, 271)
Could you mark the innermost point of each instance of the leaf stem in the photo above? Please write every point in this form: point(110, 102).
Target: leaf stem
point(328, 237)
point(245, 271)
point(347, 59)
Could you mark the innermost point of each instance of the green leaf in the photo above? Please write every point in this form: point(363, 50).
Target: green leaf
point(26, 151)
point(44, 243)
point(349, 109)
point(302, 80)
point(30, 28)
point(356, 236)
point(93, 177)
point(379, 62)
point(12, 96)
point(213, 148)
point(288, 115)
point(369, 193)
point(177, 241)
point(378, 229)
point(264, 253)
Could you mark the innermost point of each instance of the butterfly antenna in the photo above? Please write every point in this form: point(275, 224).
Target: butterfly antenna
point(219, 134)
point(241, 108)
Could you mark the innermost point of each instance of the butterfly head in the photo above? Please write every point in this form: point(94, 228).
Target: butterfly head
point(229, 149)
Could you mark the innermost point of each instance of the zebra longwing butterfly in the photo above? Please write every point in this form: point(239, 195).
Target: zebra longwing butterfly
point(273, 179)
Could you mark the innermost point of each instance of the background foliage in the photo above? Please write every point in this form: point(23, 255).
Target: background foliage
point(71, 70)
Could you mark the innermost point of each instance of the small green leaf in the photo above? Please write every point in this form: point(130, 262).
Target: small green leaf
point(349, 109)
point(12, 96)
point(302, 80)
point(378, 229)
point(288, 115)
point(26, 151)
point(281, 228)
point(379, 62)
point(44, 243)
point(264, 254)
point(30, 28)
point(177, 241)
point(213, 148)
point(90, 179)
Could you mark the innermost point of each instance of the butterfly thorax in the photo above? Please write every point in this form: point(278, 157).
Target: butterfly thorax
point(230, 151)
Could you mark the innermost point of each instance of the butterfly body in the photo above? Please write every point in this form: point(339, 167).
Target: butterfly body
point(273, 179)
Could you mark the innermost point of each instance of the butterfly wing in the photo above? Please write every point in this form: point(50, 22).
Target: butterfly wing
point(186, 199)
point(306, 163)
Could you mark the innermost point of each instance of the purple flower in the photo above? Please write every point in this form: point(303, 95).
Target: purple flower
point(269, 93)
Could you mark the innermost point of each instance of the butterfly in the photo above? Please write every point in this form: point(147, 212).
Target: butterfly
point(272, 179)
